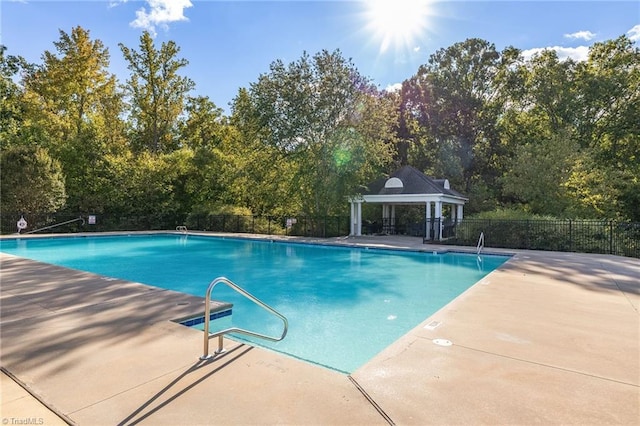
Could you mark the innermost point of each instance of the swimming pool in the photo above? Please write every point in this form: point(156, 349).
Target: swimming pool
point(343, 304)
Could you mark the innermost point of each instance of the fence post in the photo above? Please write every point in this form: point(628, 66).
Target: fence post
point(611, 237)
point(570, 236)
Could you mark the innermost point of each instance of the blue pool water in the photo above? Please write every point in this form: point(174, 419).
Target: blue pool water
point(344, 305)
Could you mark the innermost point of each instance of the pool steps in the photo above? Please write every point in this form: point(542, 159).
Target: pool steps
point(219, 310)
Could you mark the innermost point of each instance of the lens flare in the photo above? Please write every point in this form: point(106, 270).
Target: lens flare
point(342, 157)
point(397, 23)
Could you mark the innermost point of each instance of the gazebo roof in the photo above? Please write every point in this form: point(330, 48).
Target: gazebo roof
point(409, 180)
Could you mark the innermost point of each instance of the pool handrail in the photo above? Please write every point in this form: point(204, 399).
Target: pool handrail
point(480, 245)
point(219, 334)
point(56, 224)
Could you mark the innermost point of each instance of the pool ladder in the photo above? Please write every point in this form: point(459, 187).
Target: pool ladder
point(219, 334)
point(480, 245)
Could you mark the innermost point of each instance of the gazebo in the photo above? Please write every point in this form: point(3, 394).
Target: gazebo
point(409, 186)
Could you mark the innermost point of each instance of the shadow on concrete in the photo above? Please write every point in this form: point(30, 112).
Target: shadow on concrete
point(600, 273)
point(168, 394)
point(55, 312)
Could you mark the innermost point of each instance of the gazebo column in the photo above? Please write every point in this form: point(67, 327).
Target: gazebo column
point(385, 218)
point(459, 214)
point(439, 219)
point(427, 227)
point(353, 219)
point(388, 218)
point(356, 218)
point(393, 219)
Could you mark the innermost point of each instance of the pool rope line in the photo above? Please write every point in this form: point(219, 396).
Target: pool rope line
point(38, 398)
point(371, 401)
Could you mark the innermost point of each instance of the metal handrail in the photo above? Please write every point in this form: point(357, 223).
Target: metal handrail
point(219, 334)
point(480, 245)
point(57, 224)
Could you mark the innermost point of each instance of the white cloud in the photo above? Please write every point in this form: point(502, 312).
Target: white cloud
point(116, 3)
point(634, 33)
point(393, 88)
point(161, 13)
point(581, 35)
point(580, 53)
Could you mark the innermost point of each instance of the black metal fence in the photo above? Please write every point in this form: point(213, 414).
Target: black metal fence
point(327, 226)
point(64, 223)
point(304, 226)
point(585, 236)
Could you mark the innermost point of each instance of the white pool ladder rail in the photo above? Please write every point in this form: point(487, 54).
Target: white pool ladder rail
point(55, 225)
point(219, 334)
point(480, 245)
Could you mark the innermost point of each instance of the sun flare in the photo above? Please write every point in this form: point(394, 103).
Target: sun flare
point(397, 23)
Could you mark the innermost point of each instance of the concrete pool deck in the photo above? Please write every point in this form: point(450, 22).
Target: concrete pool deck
point(547, 338)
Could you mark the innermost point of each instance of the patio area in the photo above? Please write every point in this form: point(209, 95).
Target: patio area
point(547, 338)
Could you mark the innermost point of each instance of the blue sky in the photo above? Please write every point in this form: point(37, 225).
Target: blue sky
point(230, 43)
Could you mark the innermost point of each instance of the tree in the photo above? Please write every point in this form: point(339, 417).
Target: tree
point(451, 108)
point(539, 173)
point(206, 134)
point(550, 91)
point(605, 182)
point(257, 169)
point(11, 98)
point(72, 87)
point(576, 133)
point(203, 125)
point(609, 87)
point(30, 181)
point(538, 126)
point(157, 94)
point(324, 127)
point(74, 111)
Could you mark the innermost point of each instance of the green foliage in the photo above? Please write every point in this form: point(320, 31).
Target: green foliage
point(30, 181)
point(320, 129)
point(157, 94)
point(11, 98)
point(73, 109)
point(510, 214)
point(544, 136)
point(69, 92)
point(450, 110)
point(204, 125)
point(539, 173)
point(482, 196)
